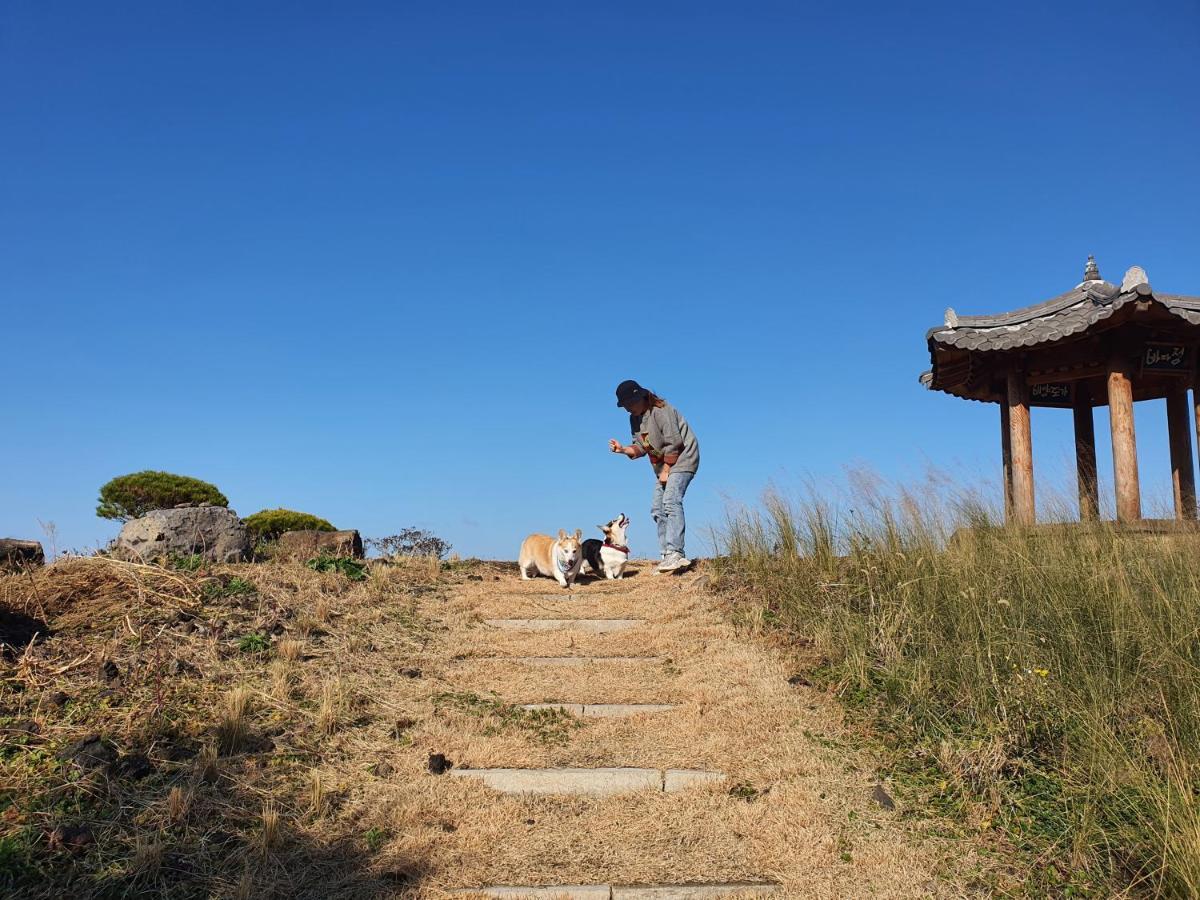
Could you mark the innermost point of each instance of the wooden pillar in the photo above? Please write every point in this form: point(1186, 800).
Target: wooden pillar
point(1196, 405)
point(1124, 443)
point(1006, 459)
point(1085, 455)
point(1183, 478)
point(1020, 443)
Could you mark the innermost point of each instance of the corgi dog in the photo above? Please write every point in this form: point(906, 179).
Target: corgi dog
point(608, 557)
point(559, 558)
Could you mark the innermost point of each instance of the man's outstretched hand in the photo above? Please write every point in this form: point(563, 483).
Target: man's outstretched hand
point(615, 446)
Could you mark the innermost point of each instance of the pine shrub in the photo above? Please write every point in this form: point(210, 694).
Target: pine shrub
point(130, 496)
point(269, 524)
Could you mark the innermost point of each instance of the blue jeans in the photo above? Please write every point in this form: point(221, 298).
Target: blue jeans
point(667, 511)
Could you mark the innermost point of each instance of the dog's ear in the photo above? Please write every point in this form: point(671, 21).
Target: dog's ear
point(561, 534)
point(578, 533)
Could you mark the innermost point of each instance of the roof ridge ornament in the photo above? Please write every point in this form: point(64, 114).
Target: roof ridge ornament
point(1091, 271)
point(951, 318)
point(1135, 276)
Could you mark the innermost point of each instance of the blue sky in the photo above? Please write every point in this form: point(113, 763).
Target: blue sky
point(386, 262)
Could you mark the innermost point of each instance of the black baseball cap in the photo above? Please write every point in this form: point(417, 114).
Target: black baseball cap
point(630, 391)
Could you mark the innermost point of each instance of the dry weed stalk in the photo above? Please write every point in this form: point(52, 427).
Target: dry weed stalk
point(318, 794)
point(281, 680)
point(331, 701)
point(290, 649)
point(178, 801)
point(321, 609)
point(245, 885)
point(148, 853)
point(208, 769)
point(271, 825)
point(232, 726)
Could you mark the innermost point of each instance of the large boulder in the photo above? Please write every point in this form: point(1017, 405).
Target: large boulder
point(17, 554)
point(307, 544)
point(213, 532)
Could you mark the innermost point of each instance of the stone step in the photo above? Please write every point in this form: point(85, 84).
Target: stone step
point(588, 782)
point(627, 892)
point(569, 660)
point(688, 891)
point(604, 710)
point(557, 892)
point(593, 626)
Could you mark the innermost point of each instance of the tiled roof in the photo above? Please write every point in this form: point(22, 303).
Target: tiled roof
point(962, 349)
point(1057, 318)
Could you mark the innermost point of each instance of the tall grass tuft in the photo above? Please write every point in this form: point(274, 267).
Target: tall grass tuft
point(1053, 673)
point(233, 722)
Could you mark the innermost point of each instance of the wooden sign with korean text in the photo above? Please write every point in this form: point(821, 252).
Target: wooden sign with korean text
point(1053, 393)
point(1167, 358)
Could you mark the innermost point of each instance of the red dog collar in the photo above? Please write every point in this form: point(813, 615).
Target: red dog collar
point(624, 550)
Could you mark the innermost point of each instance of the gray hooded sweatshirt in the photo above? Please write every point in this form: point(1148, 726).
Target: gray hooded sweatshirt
point(663, 432)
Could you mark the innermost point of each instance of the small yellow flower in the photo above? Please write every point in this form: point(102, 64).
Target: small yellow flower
point(1041, 673)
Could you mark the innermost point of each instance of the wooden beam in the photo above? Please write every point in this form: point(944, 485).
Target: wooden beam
point(1020, 442)
point(1183, 476)
point(1124, 442)
point(1085, 457)
point(1006, 461)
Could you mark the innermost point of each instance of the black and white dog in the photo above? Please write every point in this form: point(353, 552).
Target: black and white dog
point(608, 557)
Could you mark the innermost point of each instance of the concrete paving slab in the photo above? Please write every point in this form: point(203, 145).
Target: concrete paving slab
point(575, 709)
point(575, 660)
point(619, 710)
point(689, 891)
point(681, 779)
point(584, 782)
point(593, 626)
point(560, 892)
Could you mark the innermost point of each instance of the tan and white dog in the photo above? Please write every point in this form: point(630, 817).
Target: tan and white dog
point(559, 558)
point(608, 557)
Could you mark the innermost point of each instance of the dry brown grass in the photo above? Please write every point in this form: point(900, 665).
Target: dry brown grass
point(233, 726)
point(272, 827)
point(318, 794)
point(329, 713)
point(148, 853)
point(336, 747)
point(208, 769)
point(290, 649)
point(178, 801)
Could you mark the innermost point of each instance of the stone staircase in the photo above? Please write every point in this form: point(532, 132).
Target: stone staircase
point(596, 781)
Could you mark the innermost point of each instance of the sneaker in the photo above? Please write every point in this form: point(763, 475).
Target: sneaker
point(673, 563)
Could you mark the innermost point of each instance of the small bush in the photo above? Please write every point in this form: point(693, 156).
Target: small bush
point(130, 496)
point(268, 524)
point(411, 542)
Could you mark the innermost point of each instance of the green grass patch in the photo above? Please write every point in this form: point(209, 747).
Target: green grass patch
point(353, 569)
point(227, 587)
point(253, 643)
point(375, 838)
point(548, 726)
